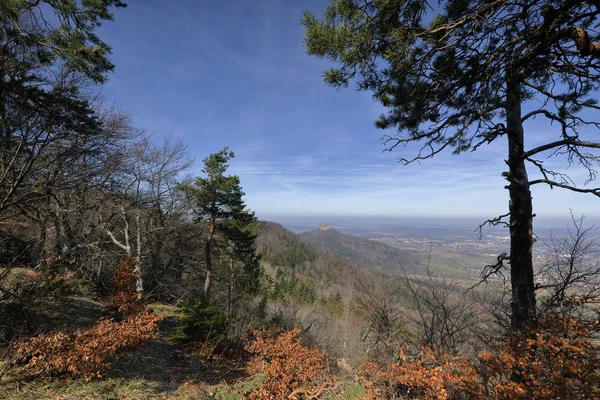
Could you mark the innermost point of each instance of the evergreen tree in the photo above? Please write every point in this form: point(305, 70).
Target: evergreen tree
point(231, 226)
point(457, 76)
point(49, 32)
point(49, 52)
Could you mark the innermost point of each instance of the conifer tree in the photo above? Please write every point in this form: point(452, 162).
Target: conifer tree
point(459, 74)
point(49, 52)
point(219, 202)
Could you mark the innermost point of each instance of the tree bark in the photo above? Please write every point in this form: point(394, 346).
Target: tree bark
point(139, 285)
point(230, 290)
point(208, 257)
point(135, 254)
point(521, 215)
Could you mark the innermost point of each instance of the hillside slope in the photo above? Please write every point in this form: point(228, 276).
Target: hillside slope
point(283, 248)
point(370, 254)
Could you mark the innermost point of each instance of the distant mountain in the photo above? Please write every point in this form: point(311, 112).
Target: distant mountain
point(282, 248)
point(367, 253)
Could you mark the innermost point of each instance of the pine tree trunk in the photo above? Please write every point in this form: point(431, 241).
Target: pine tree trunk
point(230, 291)
point(208, 257)
point(521, 216)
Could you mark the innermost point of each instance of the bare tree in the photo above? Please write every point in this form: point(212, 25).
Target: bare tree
point(445, 312)
point(568, 282)
point(153, 205)
point(84, 169)
point(378, 301)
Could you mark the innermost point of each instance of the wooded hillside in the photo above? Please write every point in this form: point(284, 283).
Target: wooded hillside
point(129, 269)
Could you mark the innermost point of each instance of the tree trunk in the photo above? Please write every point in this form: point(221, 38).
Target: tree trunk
point(208, 257)
point(230, 290)
point(139, 285)
point(521, 216)
point(136, 253)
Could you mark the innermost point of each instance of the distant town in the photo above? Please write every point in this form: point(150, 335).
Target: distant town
point(493, 245)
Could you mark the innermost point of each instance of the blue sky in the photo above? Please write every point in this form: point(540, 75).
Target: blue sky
point(235, 73)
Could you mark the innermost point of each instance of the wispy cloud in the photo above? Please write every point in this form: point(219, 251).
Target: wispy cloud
point(235, 74)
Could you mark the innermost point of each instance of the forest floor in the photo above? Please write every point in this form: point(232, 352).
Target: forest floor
point(162, 369)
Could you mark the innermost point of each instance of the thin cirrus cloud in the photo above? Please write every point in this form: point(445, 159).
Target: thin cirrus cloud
point(233, 73)
point(317, 186)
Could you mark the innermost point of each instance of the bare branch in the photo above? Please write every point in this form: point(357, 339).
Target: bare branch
point(492, 270)
point(115, 241)
point(594, 191)
point(560, 143)
point(564, 179)
point(545, 113)
point(492, 222)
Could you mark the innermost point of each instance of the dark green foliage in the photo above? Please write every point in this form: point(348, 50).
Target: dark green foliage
point(391, 50)
point(296, 254)
point(200, 322)
point(72, 40)
point(287, 285)
point(56, 280)
point(238, 249)
point(217, 195)
point(218, 201)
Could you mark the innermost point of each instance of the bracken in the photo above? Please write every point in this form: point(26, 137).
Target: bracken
point(85, 353)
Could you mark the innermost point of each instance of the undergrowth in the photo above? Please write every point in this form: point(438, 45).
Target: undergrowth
point(86, 353)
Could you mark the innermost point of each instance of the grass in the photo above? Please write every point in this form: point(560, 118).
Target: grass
point(110, 388)
point(224, 391)
point(16, 274)
point(351, 391)
point(166, 310)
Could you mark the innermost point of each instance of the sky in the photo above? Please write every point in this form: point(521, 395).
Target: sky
point(235, 73)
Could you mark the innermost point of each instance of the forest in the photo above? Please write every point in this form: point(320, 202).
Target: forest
point(129, 269)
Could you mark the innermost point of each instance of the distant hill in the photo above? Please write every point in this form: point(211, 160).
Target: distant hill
point(371, 254)
point(283, 248)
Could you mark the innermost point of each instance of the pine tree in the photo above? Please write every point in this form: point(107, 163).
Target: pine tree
point(219, 202)
point(49, 52)
point(459, 75)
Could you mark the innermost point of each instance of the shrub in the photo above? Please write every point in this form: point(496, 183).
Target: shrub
point(556, 361)
point(51, 279)
point(85, 353)
point(426, 375)
point(289, 367)
point(124, 297)
point(26, 288)
point(54, 280)
point(200, 322)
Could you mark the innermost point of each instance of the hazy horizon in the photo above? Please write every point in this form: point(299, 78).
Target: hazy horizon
point(302, 223)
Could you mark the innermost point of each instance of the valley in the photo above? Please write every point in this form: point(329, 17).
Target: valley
point(187, 213)
point(456, 247)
